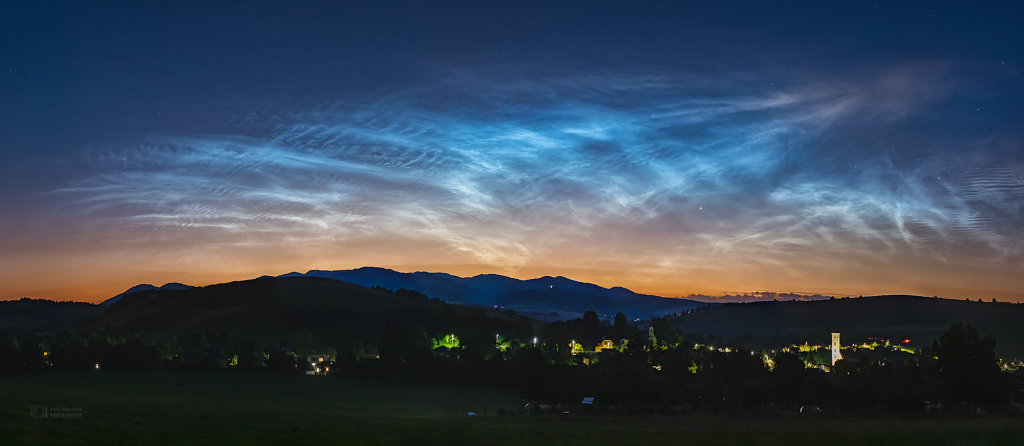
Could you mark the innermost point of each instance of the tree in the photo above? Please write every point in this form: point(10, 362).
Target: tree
point(31, 358)
point(789, 373)
point(966, 368)
point(190, 340)
point(662, 330)
point(620, 322)
point(303, 342)
point(302, 365)
point(412, 295)
point(281, 362)
point(394, 342)
point(524, 330)
point(356, 351)
point(247, 354)
point(233, 348)
point(8, 354)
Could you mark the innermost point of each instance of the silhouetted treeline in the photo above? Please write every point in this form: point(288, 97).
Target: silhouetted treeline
point(438, 344)
point(81, 350)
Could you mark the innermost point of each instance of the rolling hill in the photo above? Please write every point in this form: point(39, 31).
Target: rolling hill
point(43, 316)
point(260, 307)
point(431, 284)
point(916, 319)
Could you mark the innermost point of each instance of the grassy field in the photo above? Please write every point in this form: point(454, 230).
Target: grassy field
point(138, 408)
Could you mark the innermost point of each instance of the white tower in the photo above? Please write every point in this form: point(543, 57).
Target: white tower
point(835, 349)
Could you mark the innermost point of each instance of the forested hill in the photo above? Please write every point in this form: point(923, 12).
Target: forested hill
point(259, 306)
point(273, 309)
point(897, 317)
point(43, 316)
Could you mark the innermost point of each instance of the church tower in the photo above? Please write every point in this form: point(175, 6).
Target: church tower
point(835, 349)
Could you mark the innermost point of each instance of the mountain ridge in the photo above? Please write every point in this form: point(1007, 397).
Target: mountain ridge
point(556, 296)
point(544, 297)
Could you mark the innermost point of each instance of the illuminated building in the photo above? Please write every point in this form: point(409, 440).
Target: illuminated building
point(835, 349)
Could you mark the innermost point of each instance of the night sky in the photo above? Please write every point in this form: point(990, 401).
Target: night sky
point(668, 147)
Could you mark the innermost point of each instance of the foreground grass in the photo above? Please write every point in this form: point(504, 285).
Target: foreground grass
point(166, 408)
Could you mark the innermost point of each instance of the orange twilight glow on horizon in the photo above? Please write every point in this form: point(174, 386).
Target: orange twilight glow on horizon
point(101, 272)
point(675, 160)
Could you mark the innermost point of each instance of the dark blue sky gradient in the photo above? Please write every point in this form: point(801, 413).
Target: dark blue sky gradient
point(671, 147)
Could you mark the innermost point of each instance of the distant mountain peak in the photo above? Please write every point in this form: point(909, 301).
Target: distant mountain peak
point(143, 287)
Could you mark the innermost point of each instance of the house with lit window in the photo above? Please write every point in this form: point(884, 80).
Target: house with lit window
point(316, 359)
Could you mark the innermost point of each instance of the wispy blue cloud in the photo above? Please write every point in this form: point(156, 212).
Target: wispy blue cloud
point(672, 170)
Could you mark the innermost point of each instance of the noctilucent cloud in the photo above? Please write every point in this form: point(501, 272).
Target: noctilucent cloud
point(674, 149)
